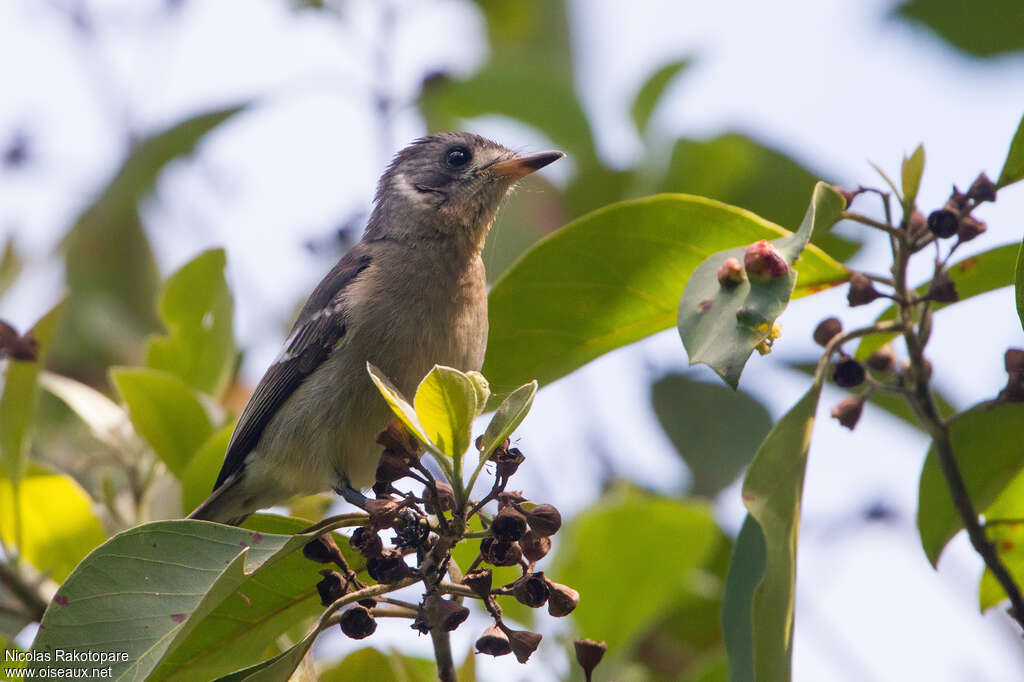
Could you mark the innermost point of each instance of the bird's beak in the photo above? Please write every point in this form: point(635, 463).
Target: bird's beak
point(521, 166)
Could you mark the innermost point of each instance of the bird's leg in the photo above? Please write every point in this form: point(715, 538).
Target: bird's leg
point(352, 496)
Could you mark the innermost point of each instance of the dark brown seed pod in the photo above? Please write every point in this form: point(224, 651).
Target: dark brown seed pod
point(382, 513)
point(523, 643)
point(331, 588)
point(826, 330)
point(509, 525)
point(1013, 360)
point(848, 411)
point(493, 642)
point(16, 346)
point(445, 498)
point(883, 359)
point(358, 623)
point(389, 567)
point(848, 373)
point(970, 228)
point(366, 541)
point(507, 461)
point(499, 553)
point(479, 581)
point(544, 519)
point(562, 599)
point(944, 222)
point(588, 654)
point(510, 497)
point(982, 189)
point(942, 288)
point(392, 467)
point(531, 590)
point(396, 437)
point(535, 547)
point(452, 614)
point(861, 291)
point(323, 550)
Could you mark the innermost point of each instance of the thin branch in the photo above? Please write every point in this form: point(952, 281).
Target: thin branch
point(27, 594)
point(871, 222)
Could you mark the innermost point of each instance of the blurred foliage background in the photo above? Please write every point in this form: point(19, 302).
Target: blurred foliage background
point(131, 327)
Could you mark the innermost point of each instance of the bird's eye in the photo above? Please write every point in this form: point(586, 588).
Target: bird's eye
point(457, 157)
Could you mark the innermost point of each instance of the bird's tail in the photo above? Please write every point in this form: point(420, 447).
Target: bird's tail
point(224, 505)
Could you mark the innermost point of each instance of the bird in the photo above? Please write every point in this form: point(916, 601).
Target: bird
point(410, 294)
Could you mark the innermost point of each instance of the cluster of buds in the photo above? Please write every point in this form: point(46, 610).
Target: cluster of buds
point(954, 219)
point(424, 527)
point(762, 262)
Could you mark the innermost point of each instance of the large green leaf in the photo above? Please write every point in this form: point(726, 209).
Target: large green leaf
point(110, 269)
point(980, 29)
point(271, 601)
point(738, 170)
point(665, 541)
point(651, 91)
point(746, 570)
point(989, 451)
point(57, 522)
point(202, 469)
point(720, 326)
point(1013, 167)
point(145, 591)
point(371, 664)
point(445, 404)
point(613, 277)
point(166, 412)
point(196, 308)
point(107, 420)
point(772, 493)
point(1004, 526)
point(715, 430)
point(974, 275)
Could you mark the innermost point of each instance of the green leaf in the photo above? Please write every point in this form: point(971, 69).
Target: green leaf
point(202, 469)
point(371, 664)
point(614, 277)
point(972, 276)
point(1019, 283)
point(10, 265)
point(273, 600)
point(981, 30)
point(507, 418)
point(674, 538)
point(910, 173)
point(147, 589)
point(746, 569)
point(107, 421)
point(650, 93)
point(720, 326)
point(715, 430)
point(400, 406)
point(165, 412)
point(110, 270)
point(1013, 167)
point(989, 451)
point(1004, 526)
point(738, 170)
point(196, 308)
point(280, 668)
point(772, 493)
point(445, 404)
point(58, 525)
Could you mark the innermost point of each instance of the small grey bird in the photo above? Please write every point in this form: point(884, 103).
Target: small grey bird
point(412, 293)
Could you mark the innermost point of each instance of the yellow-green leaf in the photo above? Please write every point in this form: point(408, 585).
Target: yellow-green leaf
point(398, 404)
point(507, 418)
point(910, 173)
point(445, 405)
point(1013, 167)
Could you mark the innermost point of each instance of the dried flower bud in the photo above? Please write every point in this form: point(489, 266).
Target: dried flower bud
point(389, 567)
point(451, 614)
point(957, 200)
point(848, 411)
point(862, 291)
point(731, 273)
point(562, 599)
point(331, 588)
point(366, 541)
point(763, 261)
point(943, 289)
point(535, 547)
point(392, 466)
point(916, 223)
point(396, 437)
point(509, 525)
point(848, 373)
point(588, 654)
point(943, 223)
point(544, 519)
point(445, 498)
point(510, 497)
point(479, 581)
point(523, 643)
point(827, 329)
point(531, 590)
point(368, 603)
point(382, 513)
point(1013, 360)
point(969, 228)
point(493, 642)
point(507, 460)
point(322, 550)
point(982, 189)
point(883, 359)
point(499, 553)
point(358, 623)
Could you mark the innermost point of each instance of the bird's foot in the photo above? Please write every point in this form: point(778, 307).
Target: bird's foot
point(352, 496)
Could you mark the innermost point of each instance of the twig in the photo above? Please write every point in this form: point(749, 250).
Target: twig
point(28, 595)
point(870, 222)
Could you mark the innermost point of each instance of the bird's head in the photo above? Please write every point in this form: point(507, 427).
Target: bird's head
point(449, 183)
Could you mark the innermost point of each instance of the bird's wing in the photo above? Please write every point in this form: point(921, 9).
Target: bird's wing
point(318, 329)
